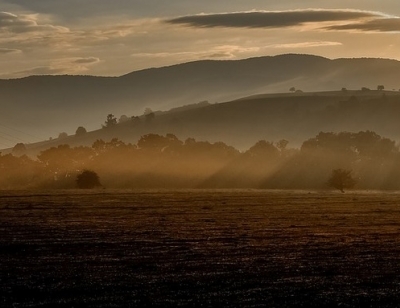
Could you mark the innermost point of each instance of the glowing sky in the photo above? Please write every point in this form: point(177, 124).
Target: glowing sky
point(103, 37)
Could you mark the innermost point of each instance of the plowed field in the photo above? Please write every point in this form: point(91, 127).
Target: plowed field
point(227, 248)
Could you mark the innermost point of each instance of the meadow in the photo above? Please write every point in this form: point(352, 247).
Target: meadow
point(246, 248)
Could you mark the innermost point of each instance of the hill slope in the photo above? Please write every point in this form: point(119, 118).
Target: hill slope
point(48, 105)
point(241, 123)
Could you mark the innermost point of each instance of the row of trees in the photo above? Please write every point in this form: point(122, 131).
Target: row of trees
point(365, 158)
point(112, 121)
point(378, 87)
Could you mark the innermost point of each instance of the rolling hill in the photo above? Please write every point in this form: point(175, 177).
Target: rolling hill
point(47, 105)
point(272, 117)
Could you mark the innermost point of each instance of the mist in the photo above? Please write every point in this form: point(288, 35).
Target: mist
point(45, 106)
point(166, 162)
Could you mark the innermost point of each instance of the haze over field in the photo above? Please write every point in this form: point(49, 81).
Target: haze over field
point(217, 153)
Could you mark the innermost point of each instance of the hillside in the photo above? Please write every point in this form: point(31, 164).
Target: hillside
point(44, 106)
point(241, 123)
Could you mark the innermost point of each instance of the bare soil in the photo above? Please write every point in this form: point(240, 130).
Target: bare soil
point(228, 248)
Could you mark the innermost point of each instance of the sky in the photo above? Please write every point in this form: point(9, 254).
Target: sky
point(113, 38)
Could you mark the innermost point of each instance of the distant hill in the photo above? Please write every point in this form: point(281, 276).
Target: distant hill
point(241, 123)
point(54, 104)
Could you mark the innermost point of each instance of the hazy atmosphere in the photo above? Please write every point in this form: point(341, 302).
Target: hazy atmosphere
point(187, 153)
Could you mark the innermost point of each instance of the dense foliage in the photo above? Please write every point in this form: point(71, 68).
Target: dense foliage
point(167, 162)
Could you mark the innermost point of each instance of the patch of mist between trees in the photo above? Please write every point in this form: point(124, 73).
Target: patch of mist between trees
point(166, 162)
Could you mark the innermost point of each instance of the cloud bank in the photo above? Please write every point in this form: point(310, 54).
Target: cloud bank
point(9, 51)
point(12, 23)
point(375, 25)
point(341, 20)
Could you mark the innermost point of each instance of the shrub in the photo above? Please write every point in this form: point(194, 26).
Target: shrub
point(87, 179)
point(341, 179)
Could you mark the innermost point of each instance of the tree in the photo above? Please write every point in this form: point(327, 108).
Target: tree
point(380, 87)
point(87, 179)
point(80, 131)
point(62, 135)
point(282, 144)
point(147, 110)
point(19, 149)
point(263, 150)
point(149, 117)
point(110, 121)
point(292, 89)
point(341, 179)
point(123, 119)
point(135, 119)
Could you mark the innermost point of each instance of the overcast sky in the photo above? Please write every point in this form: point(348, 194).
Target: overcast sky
point(112, 38)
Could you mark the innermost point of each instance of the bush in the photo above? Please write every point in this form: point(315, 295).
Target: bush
point(341, 179)
point(87, 179)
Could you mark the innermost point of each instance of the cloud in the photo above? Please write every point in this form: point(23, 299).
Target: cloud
point(39, 70)
point(307, 44)
point(221, 52)
point(89, 60)
point(272, 19)
point(375, 25)
point(61, 66)
point(9, 50)
point(12, 23)
point(33, 32)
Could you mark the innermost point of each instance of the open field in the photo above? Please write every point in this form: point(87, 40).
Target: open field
point(199, 248)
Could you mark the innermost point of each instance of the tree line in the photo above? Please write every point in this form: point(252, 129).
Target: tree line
point(364, 160)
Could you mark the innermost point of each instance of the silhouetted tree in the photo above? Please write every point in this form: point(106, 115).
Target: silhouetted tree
point(292, 89)
point(380, 87)
point(135, 120)
point(110, 121)
point(341, 179)
point(123, 119)
point(99, 145)
point(19, 149)
point(344, 90)
point(80, 131)
point(62, 135)
point(87, 179)
point(282, 144)
point(147, 111)
point(262, 149)
point(150, 117)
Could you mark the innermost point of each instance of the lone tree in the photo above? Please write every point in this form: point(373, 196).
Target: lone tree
point(87, 179)
point(80, 131)
point(380, 87)
point(110, 121)
point(341, 179)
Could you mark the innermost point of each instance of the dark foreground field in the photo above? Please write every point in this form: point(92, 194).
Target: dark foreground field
point(199, 248)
